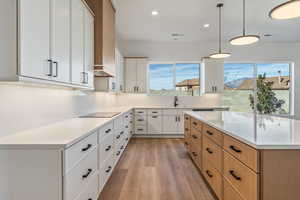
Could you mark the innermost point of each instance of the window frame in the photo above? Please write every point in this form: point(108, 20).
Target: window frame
point(255, 74)
point(173, 63)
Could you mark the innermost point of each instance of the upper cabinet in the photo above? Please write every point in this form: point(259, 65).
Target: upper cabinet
point(104, 37)
point(55, 42)
point(136, 75)
point(212, 76)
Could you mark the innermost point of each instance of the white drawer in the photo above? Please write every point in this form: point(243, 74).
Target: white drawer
point(80, 176)
point(140, 119)
point(154, 112)
point(155, 124)
point(106, 129)
point(140, 130)
point(106, 171)
point(118, 122)
point(170, 111)
point(119, 135)
point(91, 191)
point(140, 112)
point(78, 151)
point(106, 147)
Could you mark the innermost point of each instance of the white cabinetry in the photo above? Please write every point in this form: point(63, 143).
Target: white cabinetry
point(55, 42)
point(154, 124)
point(212, 76)
point(136, 75)
point(172, 121)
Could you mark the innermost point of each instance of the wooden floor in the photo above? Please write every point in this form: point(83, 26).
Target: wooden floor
point(156, 169)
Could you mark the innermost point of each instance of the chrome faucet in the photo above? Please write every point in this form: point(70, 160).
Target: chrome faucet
point(175, 101)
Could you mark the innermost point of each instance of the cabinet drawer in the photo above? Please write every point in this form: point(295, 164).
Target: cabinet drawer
point(170, 111)
point(119, 135)
point(154, 124)
point(140, 119)
point(78, 151)
point(140, 130)
point(118, 122)
point(212, 153)
point(140, 112)
point(106, 129)
point(230, 193)
point(91, 191)
point(106, 171)
point(80, 176)
point(213, 134)
point(195, 151)
point(106, 148)
point(154, 112)
point(242, 178)
point(213, 177)
point(246, 154)
point(196, 124)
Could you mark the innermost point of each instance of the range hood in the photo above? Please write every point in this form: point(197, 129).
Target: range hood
point(103, 71)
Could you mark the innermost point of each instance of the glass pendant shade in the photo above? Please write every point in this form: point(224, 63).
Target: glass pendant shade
point(288, 10)
point(244, 40)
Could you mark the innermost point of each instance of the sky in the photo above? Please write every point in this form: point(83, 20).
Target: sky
point(161, 75)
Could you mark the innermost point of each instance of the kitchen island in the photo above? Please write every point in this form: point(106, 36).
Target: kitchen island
point(244, 156)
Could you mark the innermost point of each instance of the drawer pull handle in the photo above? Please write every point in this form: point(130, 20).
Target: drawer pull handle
point(209, 133)
point(118, 137)
point(126, 126)
point(140, 129)
point(87, 174)
point(90, 199)
point(195, 123)
point(130, 122)
point(195, 154)
point(122, 147)
point(118, 153)
point(155, 112)
point(186, 129)
point(127, 139)
point(195, 137)
point(140, 112)
point(86, 148)
point(235, 149)
point(186, 143)
point(131, 132)
point(186, 118)
point(234, 175)
point(108, 170)
point(126, 116)
point(209, 174)
point(154, 117)
point(122, 132)
point(108, 130)
point(140, 120)
point(108, 148)
point(209, 151)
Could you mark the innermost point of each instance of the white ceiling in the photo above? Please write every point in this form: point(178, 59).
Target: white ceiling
point(135, 22)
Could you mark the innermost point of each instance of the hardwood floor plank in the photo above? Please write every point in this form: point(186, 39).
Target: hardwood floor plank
point(156, 169)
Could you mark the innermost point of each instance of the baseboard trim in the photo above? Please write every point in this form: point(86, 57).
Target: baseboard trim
point(175, 136)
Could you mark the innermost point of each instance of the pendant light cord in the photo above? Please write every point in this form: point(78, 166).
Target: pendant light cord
point(244, 17)
point(220, 30)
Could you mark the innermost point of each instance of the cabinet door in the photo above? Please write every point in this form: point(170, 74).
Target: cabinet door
point(60, 47)
point(89, 48)
point(170, 125)
point(35, 38)
point(212, 76)
point(130, 75)
point(77, 42)
point(180, 129)
point(142, 65)
point(154, 124)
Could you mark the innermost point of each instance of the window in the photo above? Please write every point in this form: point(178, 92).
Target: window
point(174, 79)
point(240, 82)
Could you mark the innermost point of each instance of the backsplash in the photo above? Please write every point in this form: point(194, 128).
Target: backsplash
point(28, 106)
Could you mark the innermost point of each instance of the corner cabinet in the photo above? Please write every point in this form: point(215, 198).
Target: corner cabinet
point(136, 71)
point(53, 38)
point(212, 75)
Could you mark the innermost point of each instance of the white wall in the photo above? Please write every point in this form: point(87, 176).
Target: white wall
point(181, 51)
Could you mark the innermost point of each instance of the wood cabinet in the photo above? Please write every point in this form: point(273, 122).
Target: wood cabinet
point(136, 71)
point(47, 29)
point(212, 76)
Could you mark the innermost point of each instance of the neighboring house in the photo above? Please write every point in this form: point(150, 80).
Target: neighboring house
point(188, 85)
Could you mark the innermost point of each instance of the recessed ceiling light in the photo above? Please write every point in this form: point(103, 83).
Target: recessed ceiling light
point(154, 12)
point(206, 25)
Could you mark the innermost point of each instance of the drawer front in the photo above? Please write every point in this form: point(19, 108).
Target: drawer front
point(106, 171)
point(119, 122)
point(242, 178)
point(170, 111)
point(230, 193)
point(140, 130)
point(140, 119)
point(119, 135)
point(78, 151)
point(195, 152)
point(80, 176)
point(196, 137)
point(213, 134)
point(196, 124)
point(91, 191)
point(106, 148)
point(107, 129)
point(212, 153)
point(246, 154)
point(187, 121)
point(140, 112)
point(213, 177)
point(154, 124)
point(154, 112)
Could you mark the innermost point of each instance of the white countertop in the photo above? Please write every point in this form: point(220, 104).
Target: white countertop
point(258, 131)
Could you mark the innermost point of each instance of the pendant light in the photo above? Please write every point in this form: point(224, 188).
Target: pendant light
point(244, 39)
point(287, 10)
point(220, 54)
